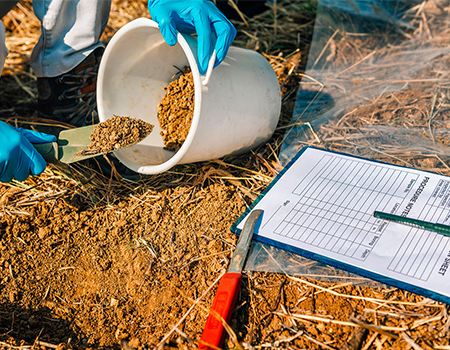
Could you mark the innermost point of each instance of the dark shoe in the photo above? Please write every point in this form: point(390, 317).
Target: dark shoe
point(112, 167)
point(248, 8)
point(70, 98)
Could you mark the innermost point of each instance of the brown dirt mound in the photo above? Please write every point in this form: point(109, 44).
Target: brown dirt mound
point(113, 275)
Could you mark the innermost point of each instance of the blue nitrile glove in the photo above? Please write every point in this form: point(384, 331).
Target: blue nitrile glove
point(18, 158)
point(190, 16)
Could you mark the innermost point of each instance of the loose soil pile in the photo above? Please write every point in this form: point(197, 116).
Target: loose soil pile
point(118, 132)
point(101, 276)
point(176, 110)
point(87, 262)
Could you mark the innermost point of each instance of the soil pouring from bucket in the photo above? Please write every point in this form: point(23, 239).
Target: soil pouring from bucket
point(176, 110)
point(117, 132)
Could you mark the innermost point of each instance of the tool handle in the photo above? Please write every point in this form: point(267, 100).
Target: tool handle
point(223, 304)
point(48, 150)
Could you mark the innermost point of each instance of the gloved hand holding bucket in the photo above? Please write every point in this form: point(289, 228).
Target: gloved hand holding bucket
point(194, 16)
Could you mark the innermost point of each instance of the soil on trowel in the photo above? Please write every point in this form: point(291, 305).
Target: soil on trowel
point(117, 132)
point(176, 110)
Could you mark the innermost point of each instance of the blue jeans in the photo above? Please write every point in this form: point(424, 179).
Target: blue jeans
point(70, 31)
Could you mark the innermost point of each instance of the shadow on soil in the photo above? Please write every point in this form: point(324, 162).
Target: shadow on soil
point(32, 325)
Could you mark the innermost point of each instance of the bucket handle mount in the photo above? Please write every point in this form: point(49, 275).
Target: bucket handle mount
point(205, 78)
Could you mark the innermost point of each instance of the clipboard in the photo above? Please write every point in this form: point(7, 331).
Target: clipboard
point(321, 207)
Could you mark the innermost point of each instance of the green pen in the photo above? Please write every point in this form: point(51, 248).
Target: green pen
point(438, 228)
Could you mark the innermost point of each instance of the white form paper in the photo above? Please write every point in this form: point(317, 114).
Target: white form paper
point(323, 205)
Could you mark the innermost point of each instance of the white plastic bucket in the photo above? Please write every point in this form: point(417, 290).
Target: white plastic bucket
point(237, 110)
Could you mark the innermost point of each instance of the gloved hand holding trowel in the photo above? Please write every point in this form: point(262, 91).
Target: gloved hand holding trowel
point(18, 157)
point(66, 66)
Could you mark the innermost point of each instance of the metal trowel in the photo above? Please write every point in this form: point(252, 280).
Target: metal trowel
point(70, 146)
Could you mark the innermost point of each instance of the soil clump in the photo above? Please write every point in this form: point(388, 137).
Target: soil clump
point(176, 110)
point(118, 132)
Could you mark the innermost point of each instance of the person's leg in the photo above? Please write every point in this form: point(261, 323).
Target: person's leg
point(3, 49)
point(71, 30)
point(66, 58)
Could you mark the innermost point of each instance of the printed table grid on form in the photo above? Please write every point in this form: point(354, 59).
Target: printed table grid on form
point(337, 201)
point(420, 250)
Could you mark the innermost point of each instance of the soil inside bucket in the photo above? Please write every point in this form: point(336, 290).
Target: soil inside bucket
point(117, 132)
point(176, 110)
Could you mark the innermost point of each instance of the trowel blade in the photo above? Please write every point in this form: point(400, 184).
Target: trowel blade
point(73, 141)
point(71, 146)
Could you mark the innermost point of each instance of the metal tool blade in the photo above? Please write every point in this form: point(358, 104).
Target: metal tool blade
point(73, 141)
point(242, 247)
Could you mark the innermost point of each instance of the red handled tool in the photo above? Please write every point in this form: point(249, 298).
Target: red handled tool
point(214, 333)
